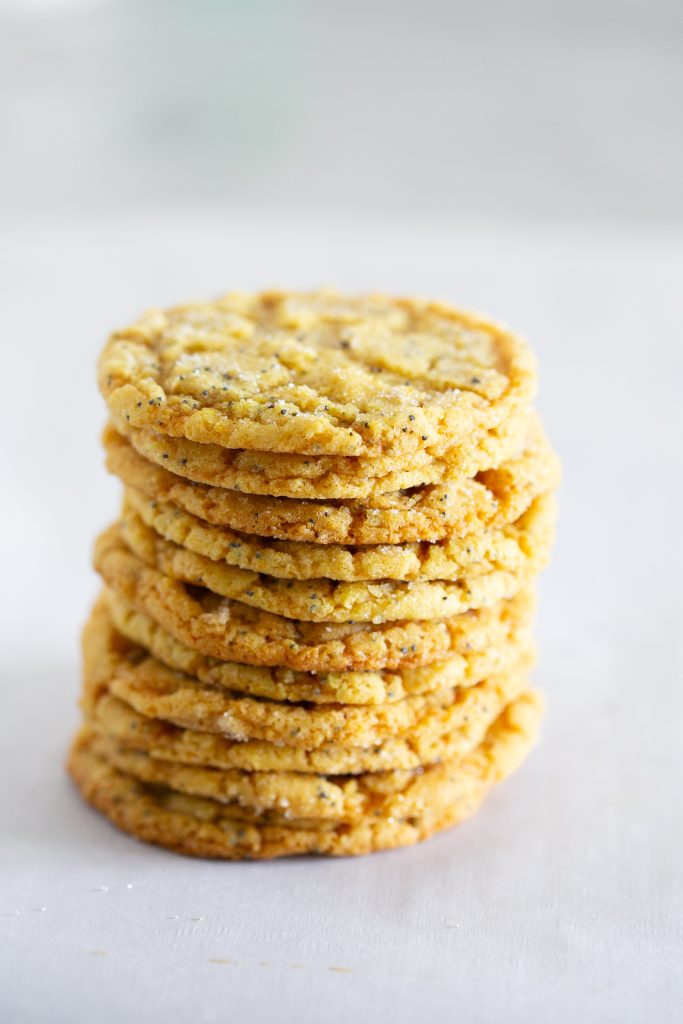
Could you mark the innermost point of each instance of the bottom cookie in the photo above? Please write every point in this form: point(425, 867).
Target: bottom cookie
point(206, 827)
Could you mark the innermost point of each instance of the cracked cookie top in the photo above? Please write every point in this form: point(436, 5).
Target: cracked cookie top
point(317, 373)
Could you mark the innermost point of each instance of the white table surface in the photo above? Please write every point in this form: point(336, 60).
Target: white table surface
point(563, 899)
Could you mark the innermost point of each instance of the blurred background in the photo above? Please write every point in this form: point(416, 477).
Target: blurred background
point(441, 111)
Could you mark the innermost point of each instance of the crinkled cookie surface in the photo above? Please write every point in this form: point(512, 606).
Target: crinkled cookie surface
point(317, 373)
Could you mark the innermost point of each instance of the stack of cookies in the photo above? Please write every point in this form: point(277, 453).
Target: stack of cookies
point(315, 628)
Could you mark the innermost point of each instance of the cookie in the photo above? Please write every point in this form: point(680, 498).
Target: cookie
point(297, 797)
point(158, 773)
point(156, 691)
point(468, 505)
point(324, 600)
point(469, 718)
point(200, 826)
point(291, 795)
point(317, 373)
point(488, 652)
point(450, 559)
point(232, 631)
point(324, 476)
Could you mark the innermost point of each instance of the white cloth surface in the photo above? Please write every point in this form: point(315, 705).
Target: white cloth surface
point(563, 899)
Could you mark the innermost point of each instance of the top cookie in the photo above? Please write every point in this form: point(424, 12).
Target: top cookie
point(316, 373)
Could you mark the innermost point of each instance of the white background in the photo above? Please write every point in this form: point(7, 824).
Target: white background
point(563, 898)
